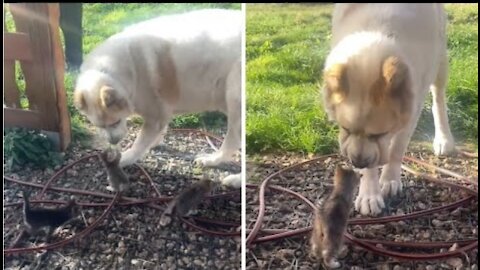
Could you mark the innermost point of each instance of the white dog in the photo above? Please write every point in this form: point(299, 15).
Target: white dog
point(384, 58)
point(175, 64)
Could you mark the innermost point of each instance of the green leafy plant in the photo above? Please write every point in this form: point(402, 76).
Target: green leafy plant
point(24, 147)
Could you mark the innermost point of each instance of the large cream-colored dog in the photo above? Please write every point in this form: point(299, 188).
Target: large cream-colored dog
point(185, 63)
point(384, 59)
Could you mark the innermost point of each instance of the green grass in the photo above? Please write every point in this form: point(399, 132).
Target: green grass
point(286, 48)
point(100, 21)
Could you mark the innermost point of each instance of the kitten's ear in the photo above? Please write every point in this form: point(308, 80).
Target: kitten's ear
point(339, 170)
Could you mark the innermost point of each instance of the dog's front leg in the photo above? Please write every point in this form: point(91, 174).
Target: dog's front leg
point(369, 200)
point(391, 173)
point(148, 136)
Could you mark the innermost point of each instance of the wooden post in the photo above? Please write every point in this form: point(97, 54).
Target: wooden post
point(44, 72)
point(11, 94)
point(58, 64)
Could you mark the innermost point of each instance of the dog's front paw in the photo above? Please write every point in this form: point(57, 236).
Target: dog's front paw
point(391, 187)
point(390, 182)
point(233, 180)
point(210, 160)
point(369, 203)
point(332, 263)
point(128, 158)
point(443, 145)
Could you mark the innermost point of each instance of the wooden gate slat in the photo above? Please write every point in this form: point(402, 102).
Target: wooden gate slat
point(37, 46)
point(32, 18)
point(64, 127)
point(21, 118)
point(11, 94)
point(17, 46)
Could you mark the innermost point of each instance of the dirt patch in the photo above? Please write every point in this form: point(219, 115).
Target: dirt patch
point(131, 236)
point(314, 181)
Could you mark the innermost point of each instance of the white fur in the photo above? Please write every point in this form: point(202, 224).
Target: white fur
point(416, 34)
point(205, 48)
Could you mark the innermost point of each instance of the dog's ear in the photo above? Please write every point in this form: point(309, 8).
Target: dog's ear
point(395, 74)
point(109, 97)
point(336, 81)
point(393, 80)
point(79, 100)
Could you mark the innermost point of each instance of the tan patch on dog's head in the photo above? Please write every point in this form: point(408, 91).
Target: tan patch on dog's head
point(109, 105)
point(336, 81)
point(392, 88)
point(110, 99)
point(104, 108)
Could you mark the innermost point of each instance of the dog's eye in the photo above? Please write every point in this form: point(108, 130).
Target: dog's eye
point(376, 136)
point(115, 124)
point(346, 130)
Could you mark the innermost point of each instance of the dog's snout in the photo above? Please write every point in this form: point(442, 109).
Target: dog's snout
point(360, 162)
point(113, 140)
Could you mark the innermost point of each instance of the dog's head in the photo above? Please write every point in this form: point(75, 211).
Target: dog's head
point(371, 100)
point(99, 99)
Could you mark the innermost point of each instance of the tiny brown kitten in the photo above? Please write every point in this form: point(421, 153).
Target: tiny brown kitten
point(117, 178)
point(330, 221)
point(37, 218)
point(187, 200)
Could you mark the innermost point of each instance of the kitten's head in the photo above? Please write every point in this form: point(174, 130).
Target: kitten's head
point(111, 156)
point(73, 207)
point(207, 184)
point(346, 179)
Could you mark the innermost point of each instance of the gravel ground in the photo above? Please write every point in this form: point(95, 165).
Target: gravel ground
point(314, 181)
point(131, 237)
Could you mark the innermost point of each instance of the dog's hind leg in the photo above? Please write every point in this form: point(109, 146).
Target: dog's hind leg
point(160, 137)
point(232, 140)
point(443, 144)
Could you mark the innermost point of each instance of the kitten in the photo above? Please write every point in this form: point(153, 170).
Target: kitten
point(187, 200)
point(119, 181)
point(330, 221)
point(37, 218)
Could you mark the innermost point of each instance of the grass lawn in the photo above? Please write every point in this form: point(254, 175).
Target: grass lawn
point(100, 21)
point(286, 48)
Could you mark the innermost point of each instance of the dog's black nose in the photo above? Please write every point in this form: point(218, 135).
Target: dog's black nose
point(360, 162)
point(113, 140)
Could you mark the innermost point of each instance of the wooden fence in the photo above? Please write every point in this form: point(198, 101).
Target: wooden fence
point(36, 45)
